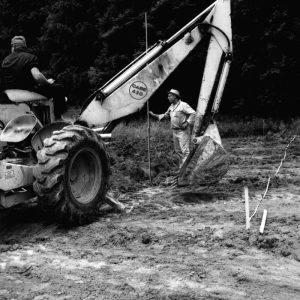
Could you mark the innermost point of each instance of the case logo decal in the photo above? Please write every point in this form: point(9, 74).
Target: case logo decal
point(138, 90)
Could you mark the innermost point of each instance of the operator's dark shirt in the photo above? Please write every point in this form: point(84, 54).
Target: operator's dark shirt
point(16, 68)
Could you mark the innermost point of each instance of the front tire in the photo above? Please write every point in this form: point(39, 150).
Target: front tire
point(72, 174)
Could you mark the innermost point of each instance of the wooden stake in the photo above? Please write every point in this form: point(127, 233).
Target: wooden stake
point(114, 202)
point(247, 207)
point(148, 118)
point(263, 221)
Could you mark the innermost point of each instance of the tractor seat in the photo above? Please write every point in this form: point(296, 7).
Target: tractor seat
point(24, 96)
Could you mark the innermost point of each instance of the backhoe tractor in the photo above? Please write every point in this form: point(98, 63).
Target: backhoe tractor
point(64, 166)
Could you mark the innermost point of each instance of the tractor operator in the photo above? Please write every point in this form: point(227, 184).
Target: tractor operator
point(182, 118)
point(20, 70)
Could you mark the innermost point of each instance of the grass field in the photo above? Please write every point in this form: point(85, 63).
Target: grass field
point(228, 127)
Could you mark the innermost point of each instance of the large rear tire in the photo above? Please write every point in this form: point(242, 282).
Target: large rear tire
point(72, 174)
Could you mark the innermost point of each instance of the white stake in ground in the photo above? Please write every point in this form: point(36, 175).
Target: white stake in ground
point(247, 207)
point(263, 221)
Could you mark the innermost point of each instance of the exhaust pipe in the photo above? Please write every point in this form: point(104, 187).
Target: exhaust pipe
point(103, 135)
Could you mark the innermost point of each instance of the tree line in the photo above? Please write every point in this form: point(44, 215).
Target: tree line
point(82, 44)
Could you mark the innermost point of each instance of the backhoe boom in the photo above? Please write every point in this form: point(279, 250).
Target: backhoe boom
point(130, 89)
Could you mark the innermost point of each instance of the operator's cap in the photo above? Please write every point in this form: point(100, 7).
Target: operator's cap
point(174, 92)
point(18, 40)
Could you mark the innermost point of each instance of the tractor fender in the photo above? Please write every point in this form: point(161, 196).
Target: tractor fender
point(18, 129)
point(37, 141)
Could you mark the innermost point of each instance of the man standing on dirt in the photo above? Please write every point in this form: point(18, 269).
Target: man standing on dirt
point(182, 118)
point(20, 71)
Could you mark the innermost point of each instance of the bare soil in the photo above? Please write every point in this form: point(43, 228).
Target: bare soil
point(170, 243)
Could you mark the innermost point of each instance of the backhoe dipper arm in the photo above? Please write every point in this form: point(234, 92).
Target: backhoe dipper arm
point(130, 89)
point(218, 60)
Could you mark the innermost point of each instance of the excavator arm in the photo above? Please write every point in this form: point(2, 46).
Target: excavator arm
point(128, 91)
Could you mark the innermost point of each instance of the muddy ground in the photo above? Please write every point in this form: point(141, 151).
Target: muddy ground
point(171, 243)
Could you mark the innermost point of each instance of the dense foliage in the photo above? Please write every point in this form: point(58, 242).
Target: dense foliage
point(84, 43)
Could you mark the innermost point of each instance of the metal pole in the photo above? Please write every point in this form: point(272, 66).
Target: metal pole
point(148, 118)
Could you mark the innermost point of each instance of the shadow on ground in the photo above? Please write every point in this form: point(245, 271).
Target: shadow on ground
point(199, 197)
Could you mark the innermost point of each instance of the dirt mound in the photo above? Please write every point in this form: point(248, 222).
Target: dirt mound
point(129, 162)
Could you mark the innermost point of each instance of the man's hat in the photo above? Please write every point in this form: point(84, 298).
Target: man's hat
point(18, 40)
point(174, 92)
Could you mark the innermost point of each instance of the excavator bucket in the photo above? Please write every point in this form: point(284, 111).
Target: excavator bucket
point(207, 163)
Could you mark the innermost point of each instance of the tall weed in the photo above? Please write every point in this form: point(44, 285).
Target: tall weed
point(228, 127)
point(139, 129)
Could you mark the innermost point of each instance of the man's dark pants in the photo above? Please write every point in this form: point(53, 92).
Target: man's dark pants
point(57, 92)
